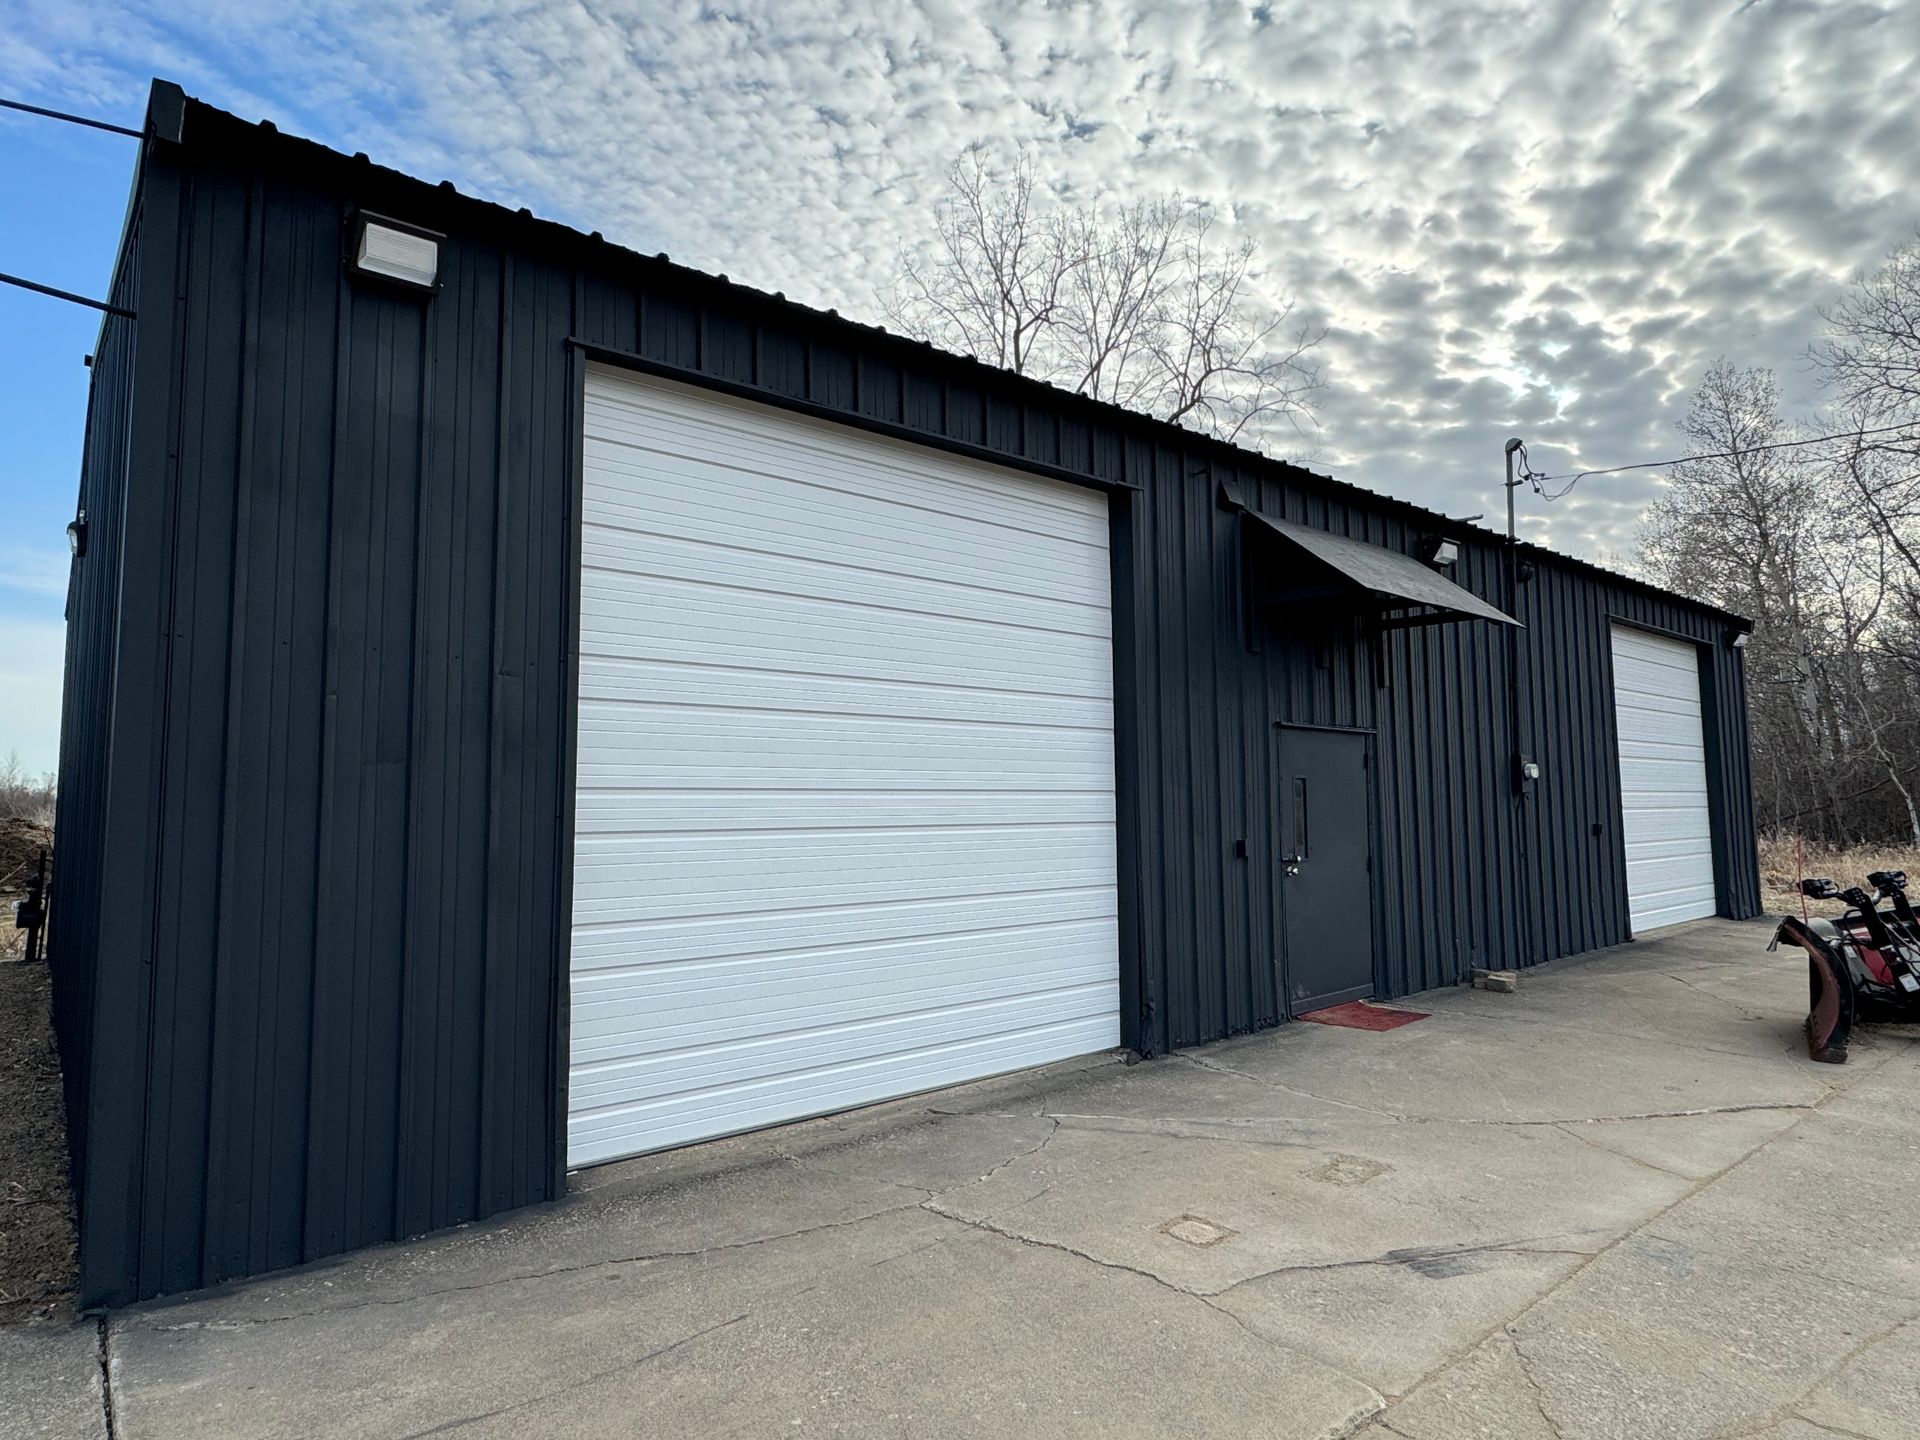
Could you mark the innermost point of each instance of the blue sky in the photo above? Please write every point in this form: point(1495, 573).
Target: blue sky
point(1513, 217)
point(66, 193)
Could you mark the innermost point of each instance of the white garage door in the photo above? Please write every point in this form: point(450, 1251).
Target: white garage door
point(1663, 779)
point(845, 824)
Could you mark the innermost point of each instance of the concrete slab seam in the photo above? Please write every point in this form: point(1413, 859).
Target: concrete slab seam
point(1790, 1409)
point(1377, 1401)
point(521, 1277)
point(1507, 1326)
point(595, 1378)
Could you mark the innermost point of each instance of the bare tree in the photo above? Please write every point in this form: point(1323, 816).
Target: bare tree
point(1739, 527)
point(1869, 366)
point(1820, 545)
point(22, 794)
point(1139, 305)
point(1228, 361)
point(1116, 297)
point(1880, 713)
point(993, 285)
point(1752, 530)
point(1870, 358)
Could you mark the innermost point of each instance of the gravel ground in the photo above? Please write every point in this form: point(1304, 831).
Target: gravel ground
point(36, 1212)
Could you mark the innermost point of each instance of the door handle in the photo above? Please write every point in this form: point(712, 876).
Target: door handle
point(1292, 862)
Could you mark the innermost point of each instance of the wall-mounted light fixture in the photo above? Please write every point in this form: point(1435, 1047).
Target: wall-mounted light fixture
point(1439, 551)
point(1738, 639)
point(393, 251)
point(77, 535)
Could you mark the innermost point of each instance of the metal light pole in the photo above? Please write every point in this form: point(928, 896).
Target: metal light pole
point(1514, 447)
point(1515, 760)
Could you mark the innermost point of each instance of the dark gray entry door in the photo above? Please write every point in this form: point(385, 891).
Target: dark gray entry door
point(1326, 890)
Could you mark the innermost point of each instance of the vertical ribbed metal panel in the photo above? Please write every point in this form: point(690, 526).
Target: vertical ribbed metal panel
point(316, 770)
point(93, 600)
point(361, 572)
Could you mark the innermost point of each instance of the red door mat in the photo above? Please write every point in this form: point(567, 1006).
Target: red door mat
point(1364, 1015)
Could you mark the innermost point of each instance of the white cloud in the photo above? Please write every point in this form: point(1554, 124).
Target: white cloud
point(32, 659)
point(1517, 218)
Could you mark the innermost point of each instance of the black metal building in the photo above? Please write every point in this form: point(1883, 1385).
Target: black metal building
point(312, 920)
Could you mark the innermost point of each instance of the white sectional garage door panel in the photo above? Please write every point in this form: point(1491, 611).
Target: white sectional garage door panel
point(1663, 779)
point(845, 810)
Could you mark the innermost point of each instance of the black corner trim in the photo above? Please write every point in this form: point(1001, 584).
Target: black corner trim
point(167, 112)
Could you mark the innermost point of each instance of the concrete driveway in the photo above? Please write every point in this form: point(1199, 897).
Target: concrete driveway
point(1620, 1203)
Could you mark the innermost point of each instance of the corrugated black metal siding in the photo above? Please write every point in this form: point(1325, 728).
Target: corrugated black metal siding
point(1464, 875)
point(349, 894)
point(93, 601)
point(344, 927)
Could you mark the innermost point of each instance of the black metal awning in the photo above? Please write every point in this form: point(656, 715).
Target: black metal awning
point(1404, 590)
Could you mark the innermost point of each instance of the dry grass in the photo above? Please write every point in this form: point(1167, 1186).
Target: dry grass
point(1780, 871)
point(21, 840)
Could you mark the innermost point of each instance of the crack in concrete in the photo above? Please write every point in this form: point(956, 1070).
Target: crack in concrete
point(902, 1255)
point(1157, 1127)
point(1139, 1121)
point(1460, 1353)
point(922, 1194)
point(1392, 1117)
point(1405, 1117)
point(1829, 1429)
point(812, 1169)
point(1377, 1402)
point(814, 1165)
point(1593, 1144)
point(106, 1378)
point(1444, 1008)
point(1275, 1085)
point(1783, 1105)
point(1779, 1415)
point(1790, 1409)
point(925, 1192)
point(518, 1277)
point(595, 1378)
point(1509, 1327)
point(1533, 1382)
point(1746, 1012)
point(928, 1201)
point(1046, 1140)
point(1410, 1257)
point(1788, 1262)
point(985, 1222)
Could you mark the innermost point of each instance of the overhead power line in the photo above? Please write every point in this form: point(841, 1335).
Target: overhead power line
point(71, 119)
point(1573, 479)
point(35, 285)
point(67, 295)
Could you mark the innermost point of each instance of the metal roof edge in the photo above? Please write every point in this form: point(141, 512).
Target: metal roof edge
point(1165, 431)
